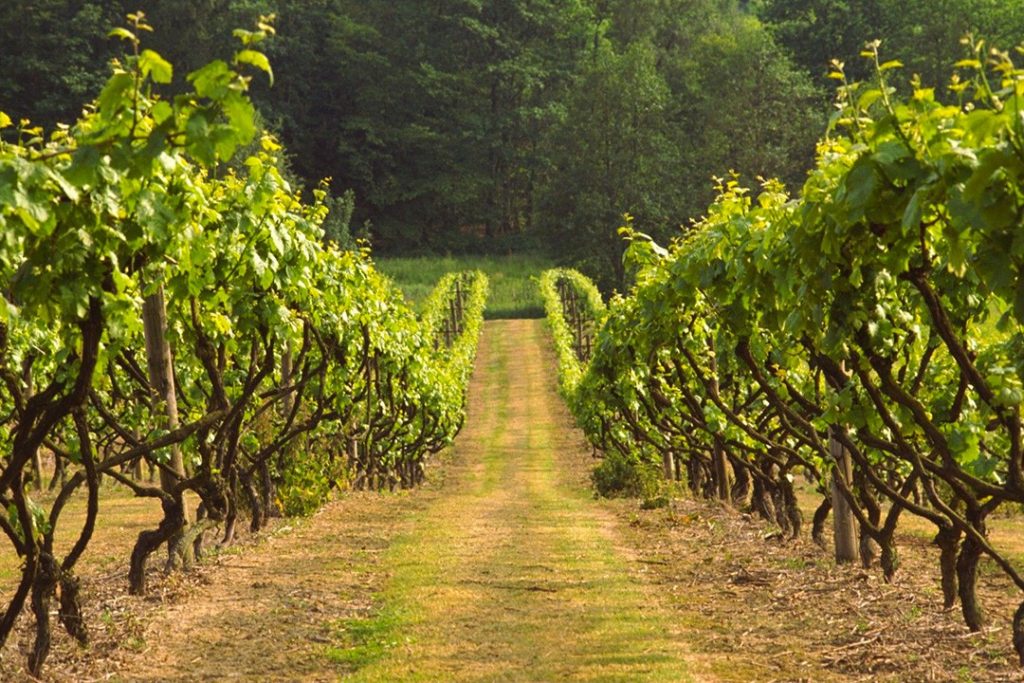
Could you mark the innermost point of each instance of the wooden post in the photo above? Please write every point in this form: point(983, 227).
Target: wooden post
point(286, 378)
point(138, 472)
point(721, 464)
point(37, 460)
point(579, 329)
point(666, 465)
point(719, 461)
point(843, 522)
point(161, 379)
point(574, 321)
point(353, 451)
point(161, 376)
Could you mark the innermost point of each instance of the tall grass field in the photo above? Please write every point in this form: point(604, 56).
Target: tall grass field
point(514, 291)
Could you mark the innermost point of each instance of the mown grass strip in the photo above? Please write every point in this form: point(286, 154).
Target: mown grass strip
point(513, 290)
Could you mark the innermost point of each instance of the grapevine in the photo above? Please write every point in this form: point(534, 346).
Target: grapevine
point(866, 332)
point(168, 304)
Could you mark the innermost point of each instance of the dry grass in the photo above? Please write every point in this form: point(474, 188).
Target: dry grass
point(122, 516)
point(760, 610)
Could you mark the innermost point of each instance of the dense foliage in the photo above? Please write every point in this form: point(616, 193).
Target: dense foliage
point(923, 34)
point(574, 310)
point(516, 124)
point(170, 305)
point(878, 314)
point(501, 124)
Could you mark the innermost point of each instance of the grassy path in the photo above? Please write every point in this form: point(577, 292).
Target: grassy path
point(514, 573)
point(502, 568)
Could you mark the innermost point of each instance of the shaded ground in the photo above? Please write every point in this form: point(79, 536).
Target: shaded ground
point(270, 613)
point(260, 610)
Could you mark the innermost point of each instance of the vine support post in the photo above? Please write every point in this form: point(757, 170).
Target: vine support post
point(287, 373)
point(719, 458)
point(667, 465)
point(37, 459)
point(843, 522)
point(137, 468)
point(453, 316)
point(161, 378)
point(353, 452)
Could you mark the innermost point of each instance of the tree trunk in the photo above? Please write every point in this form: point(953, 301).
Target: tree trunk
point(967, 574)
point(868, 548)
point(721, 464)
point(793, 514)
point(148, 541)
point(60, 473)
point(741, 485)
point(1018, 633)
point(43, 589)
point(948, 540)
point(889, 558)
point(843, 523)
point(761, 501)
point(818, 523)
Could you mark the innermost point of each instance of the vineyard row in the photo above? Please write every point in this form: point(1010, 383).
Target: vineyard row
point(170, 303)
point(866, 333)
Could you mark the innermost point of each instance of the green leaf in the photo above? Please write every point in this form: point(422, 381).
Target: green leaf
point(123, 34)
point(860, 185)
point(912, 214)
point(153, 65)
point(256, 59)
point(162, 111)
point(991, 163)
point(116, 93)
point(211, 80)
point(242, 116)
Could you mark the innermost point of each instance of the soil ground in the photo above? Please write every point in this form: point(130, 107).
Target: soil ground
point(504, 567)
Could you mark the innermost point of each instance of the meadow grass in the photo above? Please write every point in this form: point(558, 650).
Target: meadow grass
point(514, 291)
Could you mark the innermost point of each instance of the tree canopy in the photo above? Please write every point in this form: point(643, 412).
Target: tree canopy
point(507, 125)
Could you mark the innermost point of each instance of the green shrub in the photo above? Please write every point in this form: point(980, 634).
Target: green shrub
point(618, 476)
point(307, 481)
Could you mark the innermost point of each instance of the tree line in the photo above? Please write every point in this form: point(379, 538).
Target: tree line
point(516, 124)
